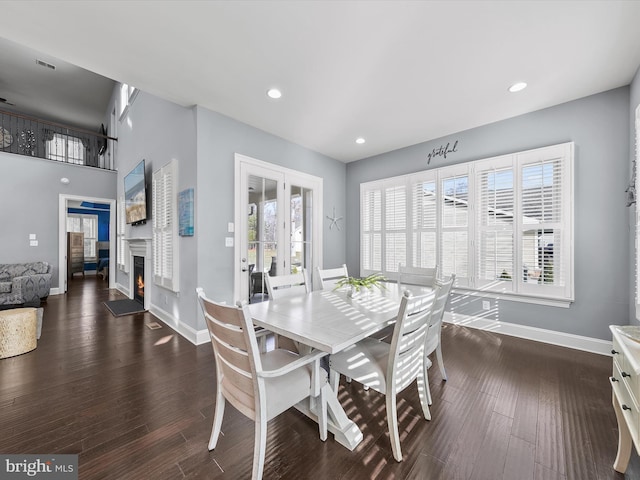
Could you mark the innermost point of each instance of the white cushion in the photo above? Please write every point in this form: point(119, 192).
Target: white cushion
point(286, 390)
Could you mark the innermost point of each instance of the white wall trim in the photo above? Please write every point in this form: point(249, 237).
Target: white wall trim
point(197, 337)
point(62, 235)
point(194, 336)
point(569, 340)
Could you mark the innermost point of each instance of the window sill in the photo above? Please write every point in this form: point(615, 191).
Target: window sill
point(515, 297)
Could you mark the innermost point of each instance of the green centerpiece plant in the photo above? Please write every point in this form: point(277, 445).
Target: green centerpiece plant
point(359, 284)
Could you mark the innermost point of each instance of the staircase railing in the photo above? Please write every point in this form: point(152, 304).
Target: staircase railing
point(25, 135)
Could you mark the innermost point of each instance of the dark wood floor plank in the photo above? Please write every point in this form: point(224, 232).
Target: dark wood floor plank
point(520, 461)
point(491, 459)
point(138, 403)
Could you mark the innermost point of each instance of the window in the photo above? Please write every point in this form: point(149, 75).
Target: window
point(87, 224)
point(165, 227)
point(127, 96)
point(502, 224)
point(65, 148)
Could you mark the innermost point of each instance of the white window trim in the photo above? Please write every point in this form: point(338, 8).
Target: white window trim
point(522, 292)
point(126, 102)
point(165, 225)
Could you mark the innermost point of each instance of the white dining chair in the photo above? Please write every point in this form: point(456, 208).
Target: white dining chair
point(434, 343)
point(259, 385)
point(326, 279)
point(425, 277)
point(281, 286)
point(390, 368)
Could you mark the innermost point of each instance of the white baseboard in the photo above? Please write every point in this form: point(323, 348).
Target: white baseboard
point(197, 337)
point(578, 342)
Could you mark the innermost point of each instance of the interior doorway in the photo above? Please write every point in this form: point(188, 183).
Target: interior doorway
point(71, 201)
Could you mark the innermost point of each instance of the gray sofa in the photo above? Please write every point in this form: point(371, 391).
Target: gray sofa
point(22, 283)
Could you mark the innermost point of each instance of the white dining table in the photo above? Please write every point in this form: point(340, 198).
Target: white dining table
point(330, 321)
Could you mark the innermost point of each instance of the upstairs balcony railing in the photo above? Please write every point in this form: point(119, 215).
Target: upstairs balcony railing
point(33, 137)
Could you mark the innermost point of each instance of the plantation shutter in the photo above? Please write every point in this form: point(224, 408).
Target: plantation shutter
point(395, 227)
point(424, 223)
point(454, 233)
point(123, 246)
point(371, 236)
point(495, 267)
point(545, 198)
point(165, 227)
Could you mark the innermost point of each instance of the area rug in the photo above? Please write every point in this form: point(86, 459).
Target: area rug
point(127, 306)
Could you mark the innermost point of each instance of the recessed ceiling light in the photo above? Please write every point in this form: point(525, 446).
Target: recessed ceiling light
point(360, 140)
point(274, 93)
point(516, 87)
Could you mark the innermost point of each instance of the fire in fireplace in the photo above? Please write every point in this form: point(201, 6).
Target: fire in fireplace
point(138, 279)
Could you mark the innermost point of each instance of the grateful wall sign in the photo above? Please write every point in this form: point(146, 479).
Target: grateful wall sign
point(442, 151)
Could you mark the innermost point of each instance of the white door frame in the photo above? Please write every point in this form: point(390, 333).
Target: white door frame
point(62, 236)
point(245, 166)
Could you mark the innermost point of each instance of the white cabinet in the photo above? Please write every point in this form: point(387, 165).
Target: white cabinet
point(625, 385)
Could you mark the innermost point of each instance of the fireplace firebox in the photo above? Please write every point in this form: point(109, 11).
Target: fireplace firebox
point(138, 278)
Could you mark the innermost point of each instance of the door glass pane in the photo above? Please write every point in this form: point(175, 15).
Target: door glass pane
point(301, 231)
point(262, 232)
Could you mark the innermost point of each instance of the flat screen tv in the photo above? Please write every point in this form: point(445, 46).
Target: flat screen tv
point(135, 195)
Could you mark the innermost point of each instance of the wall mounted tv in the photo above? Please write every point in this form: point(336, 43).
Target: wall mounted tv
point(135, 195)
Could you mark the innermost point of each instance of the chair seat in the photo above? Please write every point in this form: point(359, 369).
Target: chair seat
point(285, 390)
point(365, 362)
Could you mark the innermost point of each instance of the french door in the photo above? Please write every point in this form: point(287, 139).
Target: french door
point(278, 220)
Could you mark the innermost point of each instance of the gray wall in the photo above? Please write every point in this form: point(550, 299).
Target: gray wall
point(30, 202)
point(633, 104)
point(219, 138)
point(599, 126)
point(158, 131)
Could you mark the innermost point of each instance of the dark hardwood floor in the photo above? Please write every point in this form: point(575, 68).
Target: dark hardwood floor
point(137, 403)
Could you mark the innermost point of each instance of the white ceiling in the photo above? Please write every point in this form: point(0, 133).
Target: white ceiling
point(397, 73)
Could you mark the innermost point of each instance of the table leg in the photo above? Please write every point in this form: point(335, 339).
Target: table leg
point(344, 430)
point(624, 439)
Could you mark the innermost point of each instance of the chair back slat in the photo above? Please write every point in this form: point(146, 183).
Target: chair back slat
point(234, 356)
point(406, 354)
point(287, 285)
point(327, 278)
point(425, 277)
point(238, 389)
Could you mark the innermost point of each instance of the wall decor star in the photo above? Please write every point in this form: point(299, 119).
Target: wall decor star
point(334, 220)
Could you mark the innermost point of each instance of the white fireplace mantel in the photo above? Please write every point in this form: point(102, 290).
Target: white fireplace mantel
point(141, 247)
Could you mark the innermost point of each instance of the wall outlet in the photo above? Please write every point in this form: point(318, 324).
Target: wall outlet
point(486, 305)
point(228, 242)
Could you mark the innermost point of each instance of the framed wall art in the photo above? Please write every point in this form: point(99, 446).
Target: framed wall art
point(185, 213)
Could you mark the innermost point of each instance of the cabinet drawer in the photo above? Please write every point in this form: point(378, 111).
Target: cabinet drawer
point(627, 402)
point(616, 352)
